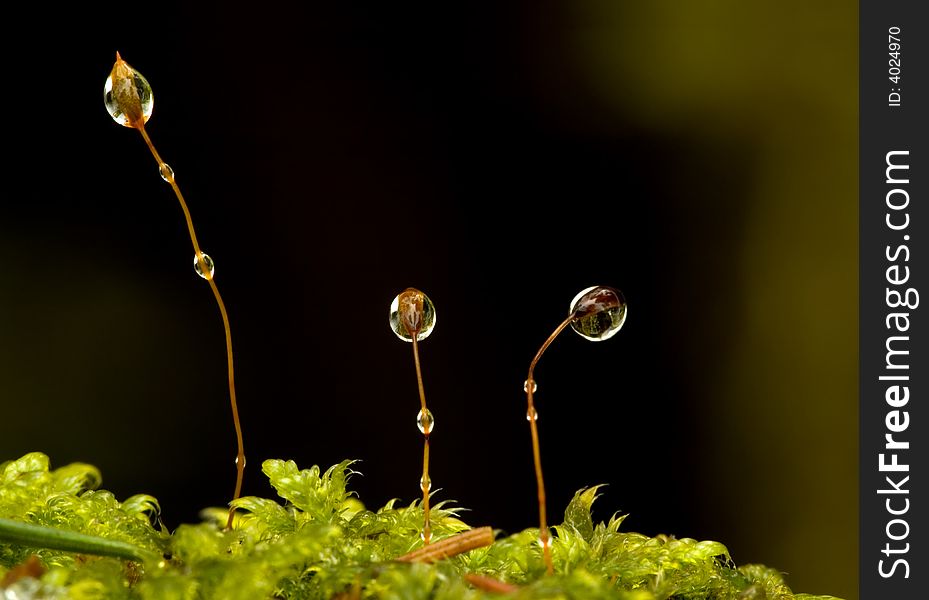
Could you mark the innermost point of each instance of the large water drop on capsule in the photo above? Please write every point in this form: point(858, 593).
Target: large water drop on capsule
point(412, 312)
point(599, 312)
point(210, 267)
point(127, 95)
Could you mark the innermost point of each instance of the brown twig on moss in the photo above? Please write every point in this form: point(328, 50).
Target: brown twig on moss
point(31, 567)
point(451, 546)
point(489, 584)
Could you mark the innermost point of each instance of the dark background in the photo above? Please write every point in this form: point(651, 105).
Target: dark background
point(702, 158)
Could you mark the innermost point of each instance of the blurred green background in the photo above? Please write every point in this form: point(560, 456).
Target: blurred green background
point(701, 156)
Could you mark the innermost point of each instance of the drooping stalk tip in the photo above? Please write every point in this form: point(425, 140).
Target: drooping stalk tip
point(596, 313)
point(128, 98)
point(412, 319)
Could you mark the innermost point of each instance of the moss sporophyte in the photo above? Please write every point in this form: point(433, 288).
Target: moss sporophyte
point(62, 537)
point(129, 100)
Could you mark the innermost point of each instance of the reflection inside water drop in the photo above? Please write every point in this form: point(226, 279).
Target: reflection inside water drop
point(210, 266)
point(425, 421)
point(599, 312)
point(127, 95)
point(412, 311)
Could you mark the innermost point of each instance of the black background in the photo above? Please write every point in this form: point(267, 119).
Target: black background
point(501, 160)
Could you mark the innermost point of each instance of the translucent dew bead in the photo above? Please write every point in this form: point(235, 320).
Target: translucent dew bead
point(599, 312)
point(166, 172)
point(412, 312)
point(209, 266)
point(425, 421)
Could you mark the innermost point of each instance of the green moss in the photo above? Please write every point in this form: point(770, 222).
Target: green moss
point(318, 541)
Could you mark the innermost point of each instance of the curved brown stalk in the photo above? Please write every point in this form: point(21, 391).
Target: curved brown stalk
point(168, 175)
point(531, 415)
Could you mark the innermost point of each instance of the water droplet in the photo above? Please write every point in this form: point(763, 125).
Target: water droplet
point(535, 386)
point(412, 312)
point(167, 173)
point(425, 483)
point(425, 421)
point(532, 414)
point(127, 95)
point(599, 312)
point(209, 265)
